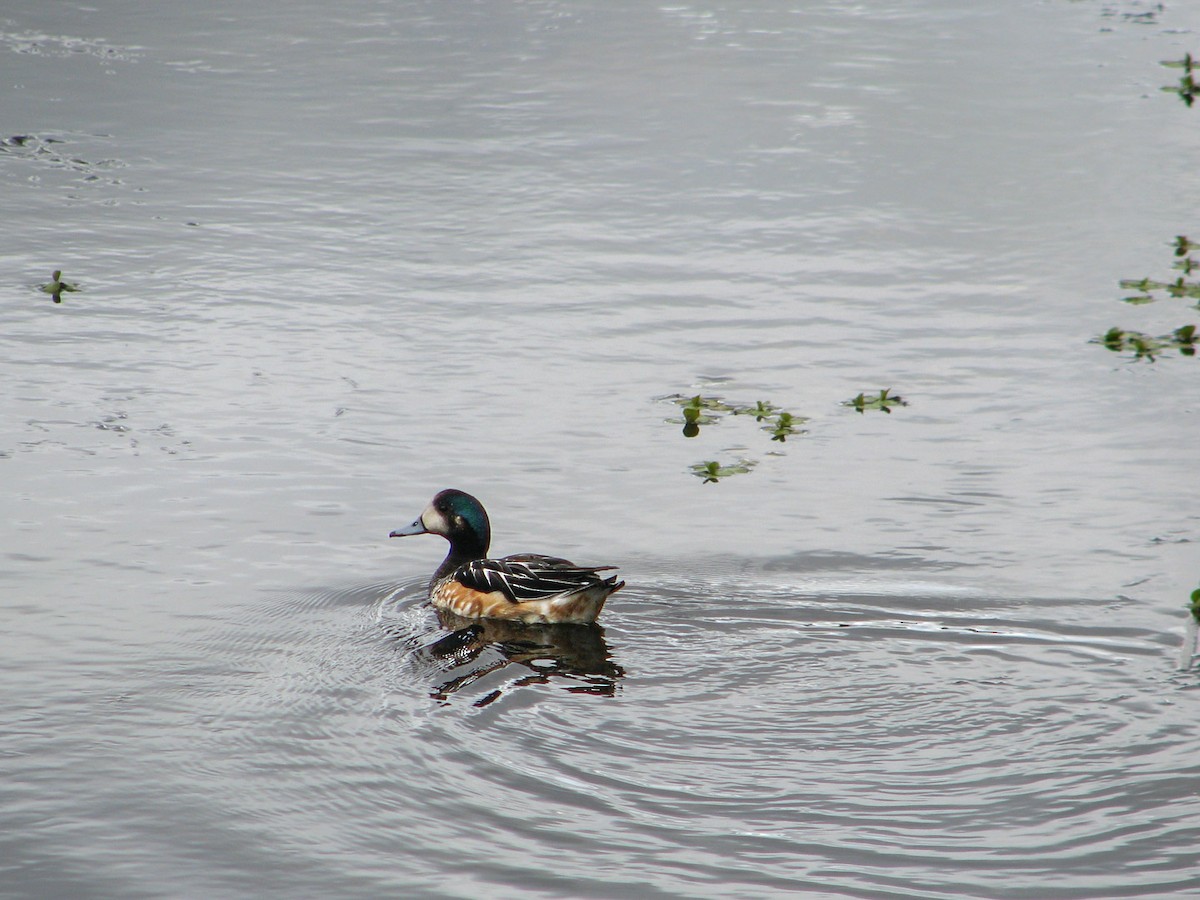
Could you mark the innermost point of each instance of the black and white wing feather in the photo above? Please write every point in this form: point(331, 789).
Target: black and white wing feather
point(529, 576)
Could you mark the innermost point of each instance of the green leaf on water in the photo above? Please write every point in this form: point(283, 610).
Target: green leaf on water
point(1142, 284)
point(698, 410)
point(1147, 346)
point(884, 401)
point(57, 287)
point(785, 424)
point(712, 471)
point(1187, 89)
point(1182, 288)
point(1143, 346)
point(760, 410)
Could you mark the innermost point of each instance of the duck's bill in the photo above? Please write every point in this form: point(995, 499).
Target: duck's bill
point(416, 527)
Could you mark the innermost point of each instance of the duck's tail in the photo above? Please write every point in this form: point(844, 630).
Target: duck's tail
point(583, 605)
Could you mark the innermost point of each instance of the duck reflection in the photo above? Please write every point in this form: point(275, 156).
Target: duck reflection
point(574, 653)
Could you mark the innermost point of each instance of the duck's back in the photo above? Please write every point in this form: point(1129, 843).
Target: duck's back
point(527, 587)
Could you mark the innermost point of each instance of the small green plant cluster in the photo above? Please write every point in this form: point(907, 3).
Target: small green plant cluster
point(1146, 346)
point(57, 287)
point(884, 402)
point(713, 471)
point(1196, 604)
point(1187, 87)
point(1181, 287)
point(698, 411)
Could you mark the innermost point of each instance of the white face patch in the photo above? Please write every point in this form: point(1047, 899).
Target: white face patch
point(434, 521)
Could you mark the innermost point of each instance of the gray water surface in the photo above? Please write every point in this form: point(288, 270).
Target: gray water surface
point(332, 260)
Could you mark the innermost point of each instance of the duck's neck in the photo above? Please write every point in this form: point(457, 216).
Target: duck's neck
point(463, 549)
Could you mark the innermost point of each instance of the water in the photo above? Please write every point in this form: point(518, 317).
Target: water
point(335, 260)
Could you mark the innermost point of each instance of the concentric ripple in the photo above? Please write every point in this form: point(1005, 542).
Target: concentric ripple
point(729, 737)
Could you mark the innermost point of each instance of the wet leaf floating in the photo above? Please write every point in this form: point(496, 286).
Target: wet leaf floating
point(1185, 339)
point(1196, 604)
point(1144, 287)
point(708, 410)
point(1180, 287)
point(1147, 346)
point(883, 402)
point(713, 471)
point(57, 287)
point(785, 424)
point(1187, 87)
point(696, 412)
point(760, 410)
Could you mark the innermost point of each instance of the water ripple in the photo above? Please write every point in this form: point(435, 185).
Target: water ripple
point(820, 731)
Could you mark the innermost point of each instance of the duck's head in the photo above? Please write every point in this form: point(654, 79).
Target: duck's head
point(456, 516)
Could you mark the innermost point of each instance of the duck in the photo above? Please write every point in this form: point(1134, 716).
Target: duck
point(525, 587)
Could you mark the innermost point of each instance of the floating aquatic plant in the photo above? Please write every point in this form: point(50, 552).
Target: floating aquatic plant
point(1145, 346)
point(1183, 339)
point(699, 402)
point(784, 424)
point(1180, 287)
point(760, 410)
point(1187, 88)
point(1190, 648)
point(699, 410)
point(57, 287)
point(713, 471)
point(884, 402)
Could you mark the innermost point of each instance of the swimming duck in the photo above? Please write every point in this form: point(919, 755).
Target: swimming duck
point(527, 587)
